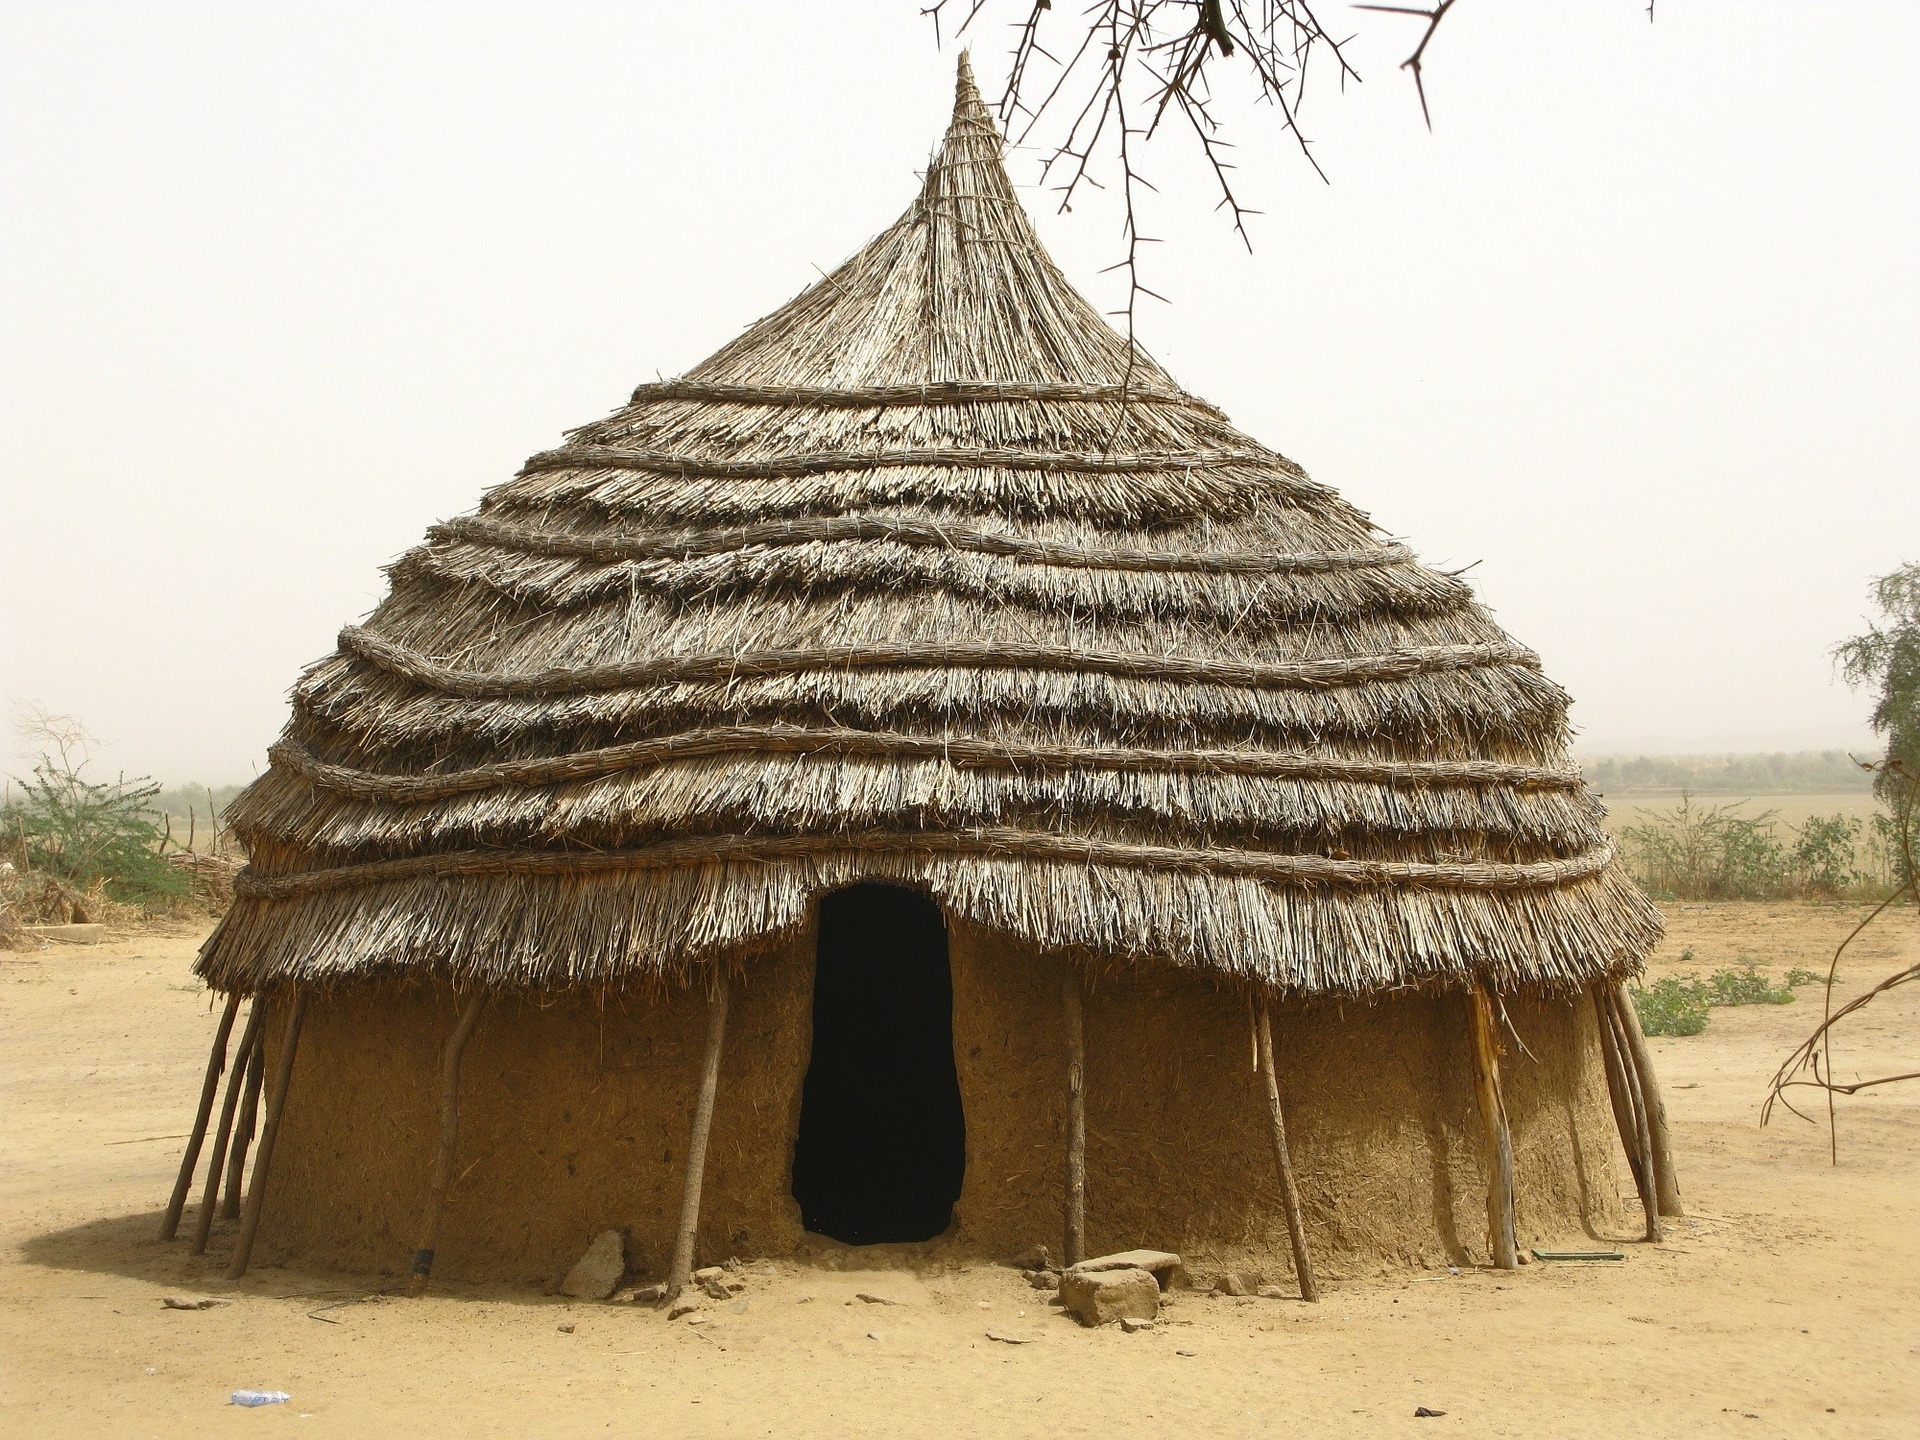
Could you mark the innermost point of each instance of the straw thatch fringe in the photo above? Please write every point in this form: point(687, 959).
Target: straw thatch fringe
point(632, 927)
point(628, 545)
point(402, 660)
point(947, 393)
point(605, 457)
point(929, 576)
point(961, 750)
point(811, 792)
point(997, 842)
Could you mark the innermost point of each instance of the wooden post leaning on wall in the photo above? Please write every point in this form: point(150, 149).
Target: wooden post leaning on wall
point(1641, 1144)
point(1074, 1023)
point(422, 1266)
point(1666, 1181)
point(1493, 1117)
point(1617, 1086)
point(243, 1135)
point(1282, 1157)
point(216, 1062)
point(681, 1271)
point(216, 1163)
point(269, 1133)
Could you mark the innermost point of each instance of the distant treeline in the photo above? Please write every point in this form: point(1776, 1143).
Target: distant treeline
point(1803, 772)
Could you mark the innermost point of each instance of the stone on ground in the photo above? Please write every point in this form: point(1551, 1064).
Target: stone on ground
point(1096, 1297)
point(1161, 1264)
point(597, 1273)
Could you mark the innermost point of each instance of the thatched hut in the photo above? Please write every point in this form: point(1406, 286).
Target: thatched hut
point(923, 773)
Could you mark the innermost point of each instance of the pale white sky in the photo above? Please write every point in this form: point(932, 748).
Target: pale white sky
point(1637, 327)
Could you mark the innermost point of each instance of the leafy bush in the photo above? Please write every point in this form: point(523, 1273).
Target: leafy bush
point(1800, 975)
point(88, 833)
point(1672, 1006)
point(1678, 1004)
point(1745, 986)
point(1715, 852)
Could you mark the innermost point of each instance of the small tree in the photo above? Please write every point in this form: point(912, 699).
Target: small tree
point(86, 833)
point(1887, 658)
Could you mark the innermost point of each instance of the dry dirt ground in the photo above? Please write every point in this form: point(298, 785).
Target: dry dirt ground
point(1789, 1304)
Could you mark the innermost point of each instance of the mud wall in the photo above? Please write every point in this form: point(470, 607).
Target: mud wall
point(575, 1113)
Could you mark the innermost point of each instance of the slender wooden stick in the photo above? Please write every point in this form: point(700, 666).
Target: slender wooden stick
point(1493, 1115)
point(242, 1065)
point(1666, 1181)
point(243, 1135)
point(1076, 1033)
point(216, 1062)
point(1283, 1160)
point(681, 1271)
point(1617, 1086)
point(449, 1139)
point(270, 1132)
point(1643, 1176)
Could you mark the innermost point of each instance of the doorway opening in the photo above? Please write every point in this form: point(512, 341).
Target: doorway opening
point(883, 1143)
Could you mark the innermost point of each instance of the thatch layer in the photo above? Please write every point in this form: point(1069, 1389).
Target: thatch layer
point(926, 577)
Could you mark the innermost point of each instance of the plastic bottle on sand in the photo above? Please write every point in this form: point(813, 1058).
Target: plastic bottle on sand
point(261, 1397)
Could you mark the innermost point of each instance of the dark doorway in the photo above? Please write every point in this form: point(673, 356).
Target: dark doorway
point(883, 1144)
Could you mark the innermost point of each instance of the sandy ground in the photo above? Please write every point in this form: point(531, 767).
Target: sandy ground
point(1789, 1304)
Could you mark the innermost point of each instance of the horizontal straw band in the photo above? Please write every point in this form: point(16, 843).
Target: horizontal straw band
point(948, 392)
point(408, 663)
point(827, 529)
point(958, 750)
point(945, 457)
point(986, 843)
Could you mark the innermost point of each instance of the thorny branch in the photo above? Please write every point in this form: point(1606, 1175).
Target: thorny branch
point(1136, 63)
point(1810, 1066)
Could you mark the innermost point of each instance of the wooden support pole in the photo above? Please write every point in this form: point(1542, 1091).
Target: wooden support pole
point(243, 1135)
point(1075, 1024)
point(1617, 1086)
point(681, 1272)
point(1499, 1143)
point(269, 1133)
point(242, 1066)
point(1283, 1160)
point(1666, 1181)
point(449, 1138)
point(216, 1062)
point(1637, 1105)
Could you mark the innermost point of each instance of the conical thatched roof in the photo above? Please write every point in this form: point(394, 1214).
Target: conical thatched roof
point(925, 577)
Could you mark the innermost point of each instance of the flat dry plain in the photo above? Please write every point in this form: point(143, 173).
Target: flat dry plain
point(1789, 1304)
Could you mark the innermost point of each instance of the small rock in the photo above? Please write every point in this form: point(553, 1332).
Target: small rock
point(983, 1304)
point(1272, 1292)
point(1420, 1412)
point(1133, 1326)
point(710, 1272)
point(566, 1329)
point(698, 1319)
point(1229, 1284)
point(1095, 1297)
point(1188, 1353)
point(684, 1305)
point(875, 1299)
point(598, 1272)
point(1035, 1259)
point(873, 1334)
point(650, 1294)
point(1010, 1337)
point(1524, 1258)
point(1159, 1263)
point(191, 1302)
point(1042, 1279)
point(715, 1289)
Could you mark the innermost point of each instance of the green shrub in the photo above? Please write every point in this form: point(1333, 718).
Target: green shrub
point(1800, 975)
point(1745, 986)
point(87, 833)
point(1672, 1006)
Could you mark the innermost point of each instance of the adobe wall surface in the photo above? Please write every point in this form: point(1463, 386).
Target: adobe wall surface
point(575, 1114)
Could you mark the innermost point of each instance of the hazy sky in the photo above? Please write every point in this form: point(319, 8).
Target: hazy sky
point(1637, 327)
